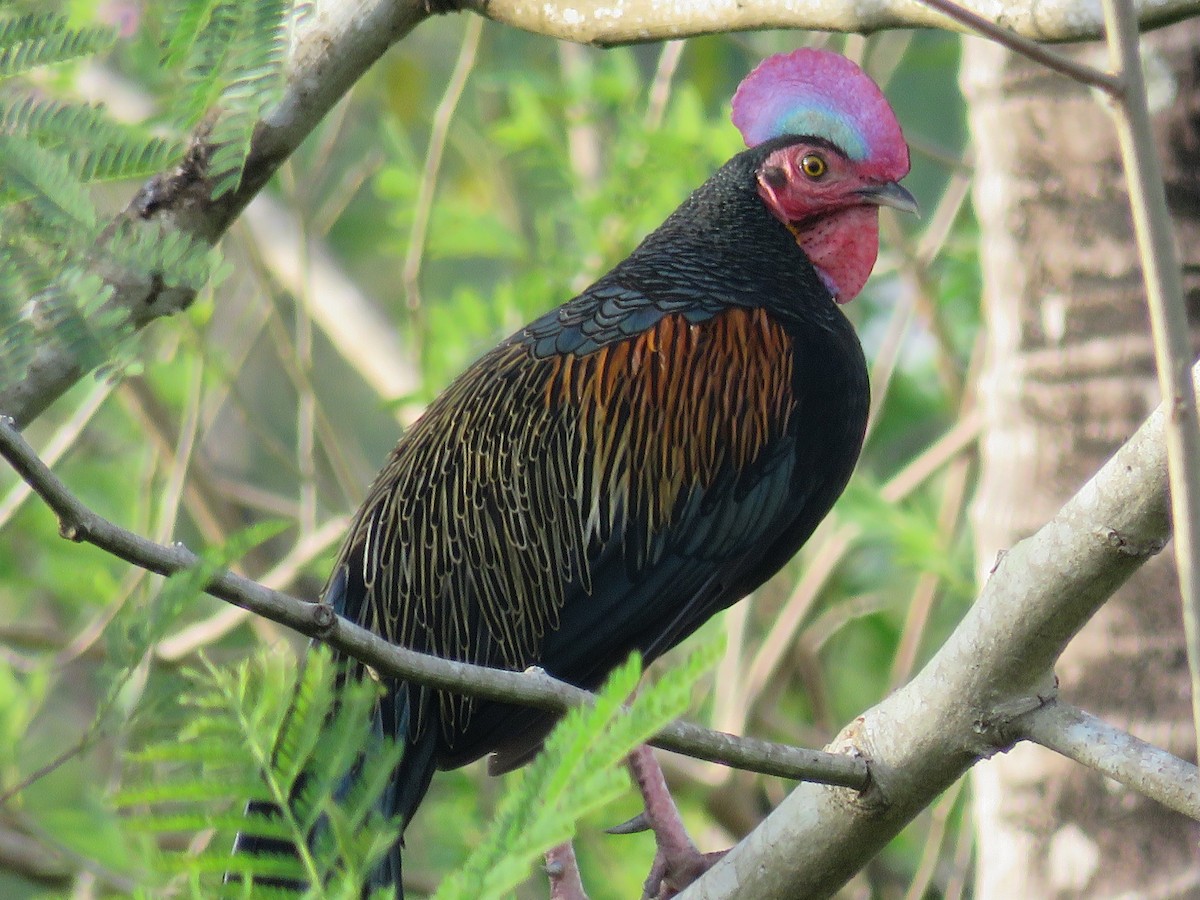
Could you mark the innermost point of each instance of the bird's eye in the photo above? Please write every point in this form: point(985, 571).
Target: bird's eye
point(813, 165)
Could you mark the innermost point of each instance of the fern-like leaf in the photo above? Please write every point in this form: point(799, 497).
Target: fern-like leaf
point(184, 22)
point(234, 53)
point(264, 736)
point(33, 40)
point(43, 177)
point(578, 771)
point(96, 147)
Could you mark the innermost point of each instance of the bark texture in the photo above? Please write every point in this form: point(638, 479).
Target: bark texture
point(1069, 375)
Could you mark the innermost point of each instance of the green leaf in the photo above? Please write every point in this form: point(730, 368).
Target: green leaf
point(287, 739)
point(579, 770)
point(233, 52)
point(96, 148)
point(33, 40)
point(43, 176)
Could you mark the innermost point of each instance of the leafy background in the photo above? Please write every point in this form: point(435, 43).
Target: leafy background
point(424, 220)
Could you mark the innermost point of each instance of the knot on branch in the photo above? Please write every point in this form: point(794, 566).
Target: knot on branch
point(853, 742)
point(324, 620)
point(1127, 545)
point(999, 727)
point(442, 7)
point(187, 182)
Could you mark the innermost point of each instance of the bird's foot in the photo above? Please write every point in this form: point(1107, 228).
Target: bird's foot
point(677, 861)
point(563, 870)
point(669, 877)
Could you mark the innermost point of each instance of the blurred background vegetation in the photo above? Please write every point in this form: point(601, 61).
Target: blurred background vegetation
point(477, 177)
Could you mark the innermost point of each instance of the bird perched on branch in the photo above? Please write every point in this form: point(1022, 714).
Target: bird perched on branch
point(646, 454)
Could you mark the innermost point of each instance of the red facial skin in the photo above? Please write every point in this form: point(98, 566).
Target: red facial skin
point(837, 227)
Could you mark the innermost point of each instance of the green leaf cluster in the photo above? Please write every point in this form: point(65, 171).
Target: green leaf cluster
point(231, 54)
point(260, 732)
point(578, 771)
point(54, 233)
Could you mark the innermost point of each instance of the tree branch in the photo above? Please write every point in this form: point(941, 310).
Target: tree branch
point(1147, 769)
point(634, 21)
point(318, 620)
point(968, 701)
point(1001, 32)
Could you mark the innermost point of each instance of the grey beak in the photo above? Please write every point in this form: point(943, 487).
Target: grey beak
point(891, 194)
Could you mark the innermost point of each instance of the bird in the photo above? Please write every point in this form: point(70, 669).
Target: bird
point(624, 467)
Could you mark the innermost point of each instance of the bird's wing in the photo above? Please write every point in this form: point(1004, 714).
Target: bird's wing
point(561, 508)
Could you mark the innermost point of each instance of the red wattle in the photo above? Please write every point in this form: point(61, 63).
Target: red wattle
point(843, 246)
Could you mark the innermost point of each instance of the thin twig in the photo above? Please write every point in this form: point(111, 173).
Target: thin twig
point(660, 87)
point(62, 441)
point(955, 886)
point(920, 607)
point(954, 499)
point(533, 688)
point(1094, 743)
point(1168, 320)
point(300, 375)
point(423, 206)
point(1110, 84)
point(171, 494)
point(306, 395)
point(200, 634)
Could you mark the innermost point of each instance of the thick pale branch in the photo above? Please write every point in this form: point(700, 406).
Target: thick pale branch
point(317, 620)
point(966, 703)
point(631, 21)
point(1080, 736)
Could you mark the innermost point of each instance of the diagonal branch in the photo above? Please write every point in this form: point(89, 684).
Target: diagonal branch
point(967, 703)
point(1002, 33)
point(317, 620)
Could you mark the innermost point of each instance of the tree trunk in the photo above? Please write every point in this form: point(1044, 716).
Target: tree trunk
point(1069, 374)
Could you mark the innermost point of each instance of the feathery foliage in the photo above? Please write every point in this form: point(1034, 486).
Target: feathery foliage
point(578, 771)
point(96, 147)
point(41, 39)
point(231, 53)
point(263, 732)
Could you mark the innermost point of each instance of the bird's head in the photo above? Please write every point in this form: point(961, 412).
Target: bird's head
point(836, 155)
